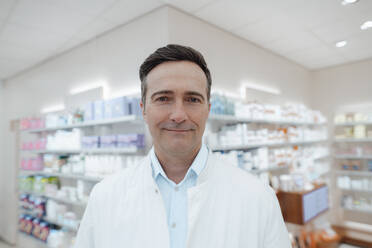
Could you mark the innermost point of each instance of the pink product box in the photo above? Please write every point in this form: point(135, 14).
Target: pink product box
point(32, 123)
point(40, 144)
point(36, 123)
point(25, 124)
point(34, 164)
point(90, 142)
point(108, 141)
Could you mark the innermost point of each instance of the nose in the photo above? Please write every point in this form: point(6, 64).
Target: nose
point(178, 113)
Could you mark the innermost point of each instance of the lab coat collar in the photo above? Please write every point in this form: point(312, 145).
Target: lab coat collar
point(196, 167)
point(202, 178)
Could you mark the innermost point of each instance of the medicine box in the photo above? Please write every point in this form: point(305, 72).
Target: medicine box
point(120, 107)
point(89, 112)
point(108, 108)
point(99, 110)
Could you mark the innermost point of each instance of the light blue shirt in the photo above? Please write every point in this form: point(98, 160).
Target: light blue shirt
point(175, 195)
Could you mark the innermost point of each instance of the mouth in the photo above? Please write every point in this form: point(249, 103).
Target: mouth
point(178, 130)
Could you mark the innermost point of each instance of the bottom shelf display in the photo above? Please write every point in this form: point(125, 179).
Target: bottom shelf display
point(48, 234)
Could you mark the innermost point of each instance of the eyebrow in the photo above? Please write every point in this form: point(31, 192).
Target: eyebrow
point(168, 92)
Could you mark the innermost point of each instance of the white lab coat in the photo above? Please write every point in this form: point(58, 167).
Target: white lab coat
point(228, 208)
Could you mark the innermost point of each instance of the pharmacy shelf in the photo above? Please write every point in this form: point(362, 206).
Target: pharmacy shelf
point(130, 151)
point(353, 157)
point(132, 118)
point(345, 124)
point(352, 140)
point(366, 211)
point(66, 201)
point(354, 173)
point(356, 190)
point(49, 220)
point(270, 145)
point(61, 175)
point(26, 240)
point(230, 119)
point(271, 168)
point(129, 118)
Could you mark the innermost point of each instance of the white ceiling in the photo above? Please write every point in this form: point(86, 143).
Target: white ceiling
point(304, 31)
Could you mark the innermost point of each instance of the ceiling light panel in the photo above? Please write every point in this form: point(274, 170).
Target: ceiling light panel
point(366, 25)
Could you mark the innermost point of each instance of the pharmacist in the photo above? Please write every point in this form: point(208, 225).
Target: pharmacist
point(180, 195)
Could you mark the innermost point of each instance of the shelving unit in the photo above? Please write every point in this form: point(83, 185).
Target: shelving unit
point(66, 201)
point(366, 211)
point(270, 145)
point(346, 124)
point(356, 190)
point(131, 151)
point(353, 152)
point(49, 220)
point(361, 157)
point(355, 173)
point(229, 119)
point(101, 127)
point(31, 241)
point(353, 140)
point(61, 175)
point(124, 119)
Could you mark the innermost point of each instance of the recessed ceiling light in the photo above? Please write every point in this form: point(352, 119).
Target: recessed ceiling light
point(346, 2)
point(341, 43)
point(366, 25)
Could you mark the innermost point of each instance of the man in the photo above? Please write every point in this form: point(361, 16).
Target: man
point(180, 195)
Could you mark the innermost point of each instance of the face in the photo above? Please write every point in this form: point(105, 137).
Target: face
point(176, 107)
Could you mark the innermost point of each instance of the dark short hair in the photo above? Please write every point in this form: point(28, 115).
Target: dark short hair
point(168, 53)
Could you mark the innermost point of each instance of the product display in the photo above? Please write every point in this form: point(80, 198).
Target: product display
point(356, 183)
point(353, 162)
point(89, 165)
point(130, 142)
point(352, 117)
point(360, 203)
point(247, 134)
point(221, 105)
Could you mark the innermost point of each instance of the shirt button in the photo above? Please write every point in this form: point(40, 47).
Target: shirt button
point(156, 191)
point(174, 225)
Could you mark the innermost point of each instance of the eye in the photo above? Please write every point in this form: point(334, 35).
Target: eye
point(193, 100)
point(162, 99)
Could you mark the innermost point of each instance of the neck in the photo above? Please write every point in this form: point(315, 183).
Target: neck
point(176, 166)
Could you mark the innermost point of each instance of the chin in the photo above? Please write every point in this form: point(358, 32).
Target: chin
point(178, 147)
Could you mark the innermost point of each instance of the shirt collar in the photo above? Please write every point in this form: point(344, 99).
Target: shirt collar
point(197, 165)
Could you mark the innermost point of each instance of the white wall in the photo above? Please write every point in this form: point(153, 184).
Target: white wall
point(233, 60)
point(113, 58)
point(342, 88)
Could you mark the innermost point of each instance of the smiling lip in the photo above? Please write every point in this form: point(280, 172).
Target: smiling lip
point(177, 130)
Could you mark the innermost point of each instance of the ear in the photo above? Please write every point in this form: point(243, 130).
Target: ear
point(143, 110)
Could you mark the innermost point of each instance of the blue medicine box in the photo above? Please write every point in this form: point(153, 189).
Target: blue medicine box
point(99, 110)
point(120, 107)
point(89, 112)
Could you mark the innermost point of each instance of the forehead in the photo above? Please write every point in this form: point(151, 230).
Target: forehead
point(177, 76)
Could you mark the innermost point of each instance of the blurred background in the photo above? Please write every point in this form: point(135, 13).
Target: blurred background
point(291, 104)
